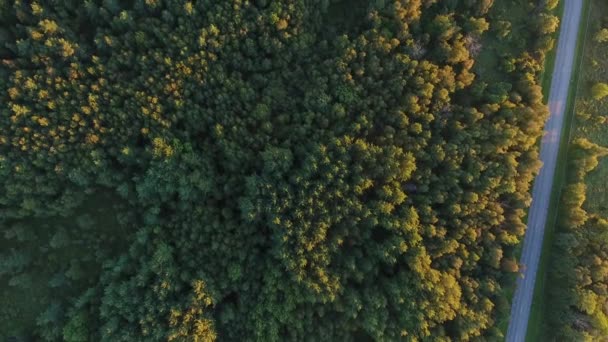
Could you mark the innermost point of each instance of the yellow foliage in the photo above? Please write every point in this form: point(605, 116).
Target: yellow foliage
point(48, 26)
point(19, 110)
point(43, 94)
point(188, 7)
point(73, 74)
point(67, 49)
point(93, 101)
point(30, 84)
point(162, 148)
point(36, 8)
point(36, 35)
point(214, 30)
point(13, 93)
point(92, 138)
point(44, 122)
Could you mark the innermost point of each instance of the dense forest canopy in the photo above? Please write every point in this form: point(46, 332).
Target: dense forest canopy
point(311, 170)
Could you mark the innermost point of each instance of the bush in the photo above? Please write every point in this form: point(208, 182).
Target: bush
point(599, 91)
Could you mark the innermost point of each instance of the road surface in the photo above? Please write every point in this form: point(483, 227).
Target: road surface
point(541, 193)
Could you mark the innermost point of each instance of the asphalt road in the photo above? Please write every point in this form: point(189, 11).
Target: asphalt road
point(541, 193)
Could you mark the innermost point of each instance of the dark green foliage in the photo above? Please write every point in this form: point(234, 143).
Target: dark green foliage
point(261, 170)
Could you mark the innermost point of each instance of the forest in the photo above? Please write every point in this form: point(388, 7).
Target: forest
point(264, 170)
point(577, 275)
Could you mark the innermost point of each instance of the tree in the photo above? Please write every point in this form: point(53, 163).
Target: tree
point(601, 36)
point(510, 265)
point(599, 91)
point(547, 23)
point(550, 4)
point(243, 170)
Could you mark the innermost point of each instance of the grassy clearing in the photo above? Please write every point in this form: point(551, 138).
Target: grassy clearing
point(537, 329)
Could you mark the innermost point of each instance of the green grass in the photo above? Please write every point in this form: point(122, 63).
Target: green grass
point(536, 325)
